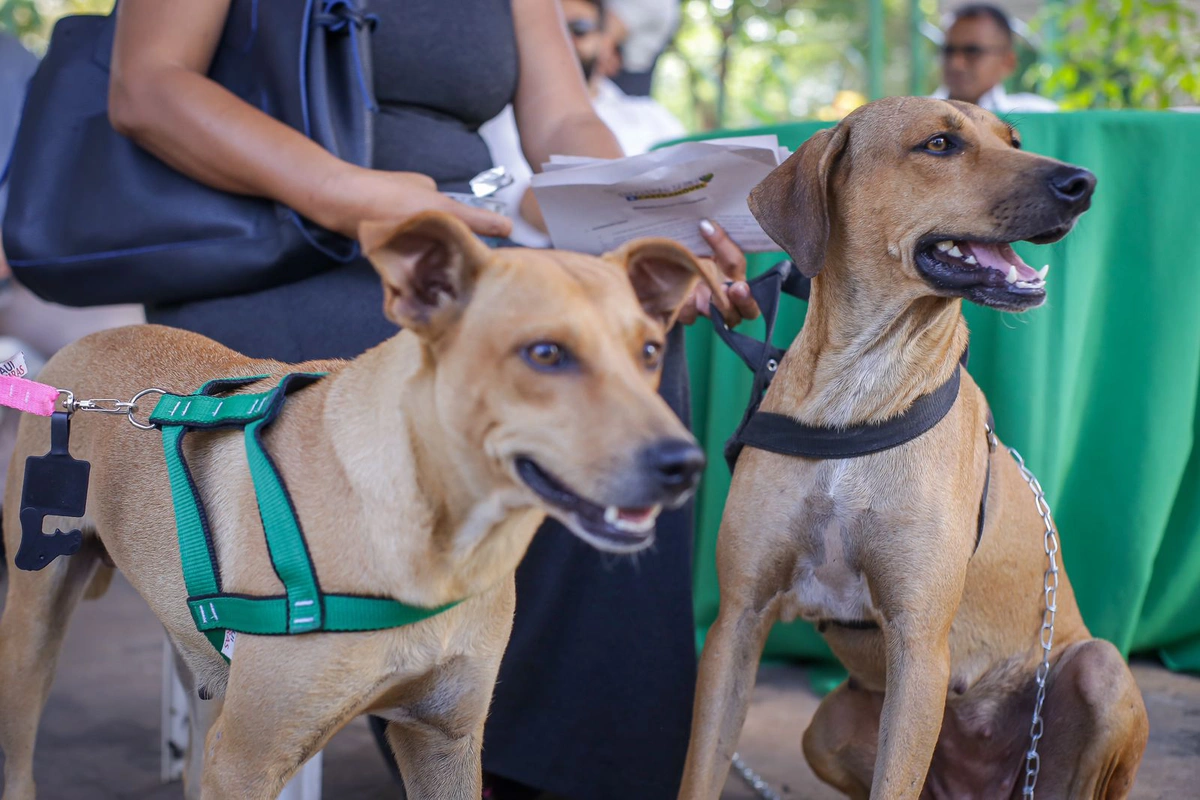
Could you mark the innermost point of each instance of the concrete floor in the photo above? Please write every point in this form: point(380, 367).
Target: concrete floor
point(99, 735)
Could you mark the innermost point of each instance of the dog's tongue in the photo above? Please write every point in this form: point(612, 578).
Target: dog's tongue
point(1002, 258)
point(637, 515)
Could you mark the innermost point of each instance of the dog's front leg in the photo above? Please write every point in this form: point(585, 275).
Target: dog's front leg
point(435, 763)
point(917, 596)
point(438, 737)
point(728, 668)
point(918, 673)
point(286, 697)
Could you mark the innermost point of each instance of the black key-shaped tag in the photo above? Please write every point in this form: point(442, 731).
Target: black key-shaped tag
point(55, 485)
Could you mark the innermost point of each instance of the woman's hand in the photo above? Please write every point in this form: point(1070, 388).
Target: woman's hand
point(161, 97)
point(357, 195)
point(735, 301)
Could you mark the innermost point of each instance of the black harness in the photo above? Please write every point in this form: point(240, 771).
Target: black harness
point(778, 433)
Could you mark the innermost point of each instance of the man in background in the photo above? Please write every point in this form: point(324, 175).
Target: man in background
point(978, 56)
point(639, 123)
point(638, 30)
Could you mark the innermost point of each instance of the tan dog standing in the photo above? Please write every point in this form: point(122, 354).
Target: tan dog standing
point(899, 212)
point(523, 384)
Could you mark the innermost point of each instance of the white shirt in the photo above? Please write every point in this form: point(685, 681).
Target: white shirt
point(999, 101)
point(639, 123)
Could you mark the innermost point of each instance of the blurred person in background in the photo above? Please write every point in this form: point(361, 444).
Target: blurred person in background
point(978, 56)
point(639, 123)
point(636, 33)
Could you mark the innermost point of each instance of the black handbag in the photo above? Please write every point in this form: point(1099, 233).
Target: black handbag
point(94, 219)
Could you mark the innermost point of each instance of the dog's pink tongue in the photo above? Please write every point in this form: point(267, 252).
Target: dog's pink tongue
point(1000, 257)
point(636, 514)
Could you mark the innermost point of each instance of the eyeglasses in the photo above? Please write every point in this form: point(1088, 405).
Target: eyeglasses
point(582, 27)
point(971, 52)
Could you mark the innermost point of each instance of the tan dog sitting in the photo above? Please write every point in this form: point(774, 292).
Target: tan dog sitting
point(898, 213)
point(522, 384)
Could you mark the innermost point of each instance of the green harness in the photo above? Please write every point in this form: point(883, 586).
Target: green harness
point(305, 608)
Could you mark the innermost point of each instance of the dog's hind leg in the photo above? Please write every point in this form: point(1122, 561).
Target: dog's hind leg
point(36, 612)
point(728, 669)
point(841, 741)
point(1095, 726)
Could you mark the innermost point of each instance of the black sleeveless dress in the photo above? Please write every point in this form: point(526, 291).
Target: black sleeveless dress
point(594, 698)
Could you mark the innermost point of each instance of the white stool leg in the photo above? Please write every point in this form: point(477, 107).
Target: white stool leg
point(306, 785)
point(174, 734)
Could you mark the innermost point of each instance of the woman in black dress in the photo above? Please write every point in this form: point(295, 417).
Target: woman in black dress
point(595, 693)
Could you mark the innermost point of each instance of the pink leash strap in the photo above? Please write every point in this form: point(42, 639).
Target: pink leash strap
point(28, 396)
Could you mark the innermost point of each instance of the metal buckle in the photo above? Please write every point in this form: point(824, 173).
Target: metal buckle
point(146, 426)
point(993, 442)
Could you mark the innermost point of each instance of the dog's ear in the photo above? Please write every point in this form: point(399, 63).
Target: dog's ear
point(428, 265)
point(663, 274)
point(792, 203)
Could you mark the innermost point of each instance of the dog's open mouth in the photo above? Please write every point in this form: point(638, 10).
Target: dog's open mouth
point(989, 273)
point(611, 528)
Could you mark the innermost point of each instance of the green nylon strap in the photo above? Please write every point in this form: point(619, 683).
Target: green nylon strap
point(205, 411)
point(284, 539)
point(305, 608)
point(199, 573)
point(269, 615)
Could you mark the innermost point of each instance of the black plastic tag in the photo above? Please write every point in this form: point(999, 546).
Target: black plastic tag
point(55, 485)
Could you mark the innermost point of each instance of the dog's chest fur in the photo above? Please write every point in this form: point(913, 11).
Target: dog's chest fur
point(828, 583)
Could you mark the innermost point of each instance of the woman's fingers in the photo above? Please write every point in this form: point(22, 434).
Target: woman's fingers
point(743, 301)
point(727, 255)
point(479, 220)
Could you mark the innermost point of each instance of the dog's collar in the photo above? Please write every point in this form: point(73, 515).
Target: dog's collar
point(778, 433)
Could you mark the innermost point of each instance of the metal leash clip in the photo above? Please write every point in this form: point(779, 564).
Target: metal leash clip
point(109, 405)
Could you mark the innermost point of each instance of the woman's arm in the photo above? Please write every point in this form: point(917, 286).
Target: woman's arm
point(554, 113)
point(161, 97)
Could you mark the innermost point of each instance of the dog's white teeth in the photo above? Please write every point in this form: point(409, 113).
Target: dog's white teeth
point(954, 251)
point(971, 260)
point(944, 246)
point(612, 516)
point(1029, 284)
point(1042, 272)
point(1012, 274)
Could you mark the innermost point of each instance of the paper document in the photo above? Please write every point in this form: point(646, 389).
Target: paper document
point(595, 205)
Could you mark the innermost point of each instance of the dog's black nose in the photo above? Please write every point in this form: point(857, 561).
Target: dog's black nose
point(675, 464)
point(1072, 184)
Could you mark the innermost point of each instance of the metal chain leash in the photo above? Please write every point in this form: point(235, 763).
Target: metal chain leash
point(754, 780)
point(1033, 762)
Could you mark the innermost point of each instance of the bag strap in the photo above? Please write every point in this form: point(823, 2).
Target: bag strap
point(304, 607)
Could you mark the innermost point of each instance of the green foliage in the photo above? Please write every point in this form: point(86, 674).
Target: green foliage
point(32, 20)
point(738, 63)
point(1119, 54)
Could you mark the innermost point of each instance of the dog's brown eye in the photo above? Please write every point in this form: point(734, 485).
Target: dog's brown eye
point(545, 354)
point(651, 354)
point(938, 144)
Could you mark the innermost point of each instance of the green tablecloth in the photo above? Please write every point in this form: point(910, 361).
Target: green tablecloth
point(1097, 388)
